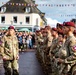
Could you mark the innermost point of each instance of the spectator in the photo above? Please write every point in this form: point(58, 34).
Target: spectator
point(20, 40)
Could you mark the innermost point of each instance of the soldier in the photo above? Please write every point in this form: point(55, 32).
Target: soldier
point(49, 39)
point(48, 45)
point(10, 52)
point(43, 50)
point(39, 43)
point(58, 52)
point(70, 47)
point(53, 46)
point(55, 39)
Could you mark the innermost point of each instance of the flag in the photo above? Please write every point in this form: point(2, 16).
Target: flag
point(16, 3)
point(13, 4)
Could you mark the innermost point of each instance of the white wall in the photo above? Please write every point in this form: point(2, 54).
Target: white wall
point(34, 17)
point(21, 18)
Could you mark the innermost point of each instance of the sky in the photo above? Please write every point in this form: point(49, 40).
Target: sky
point(53, 14)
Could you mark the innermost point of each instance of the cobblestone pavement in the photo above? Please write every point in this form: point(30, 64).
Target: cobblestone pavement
point(28, 64)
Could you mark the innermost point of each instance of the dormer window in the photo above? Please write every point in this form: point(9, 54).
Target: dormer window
point(3, 9)
point(28, 9)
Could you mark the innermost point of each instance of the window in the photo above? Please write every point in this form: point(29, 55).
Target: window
point(27, 9)
point(3, 19)
point(3, 9)
point(27, 20)
point(15, 19)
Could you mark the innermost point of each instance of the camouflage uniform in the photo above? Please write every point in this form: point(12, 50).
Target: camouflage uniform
point(49, 39)
point(10, 52)
point(61, 53)
point(53, 46)
point(48, 45)
point(39, 42)
point(70, 60)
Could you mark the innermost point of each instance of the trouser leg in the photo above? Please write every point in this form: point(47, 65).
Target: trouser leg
point(15, 72)
point(15, 67)
point(7, 67)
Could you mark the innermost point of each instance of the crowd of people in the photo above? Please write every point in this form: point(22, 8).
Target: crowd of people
point(26, 39)
point(56, 49)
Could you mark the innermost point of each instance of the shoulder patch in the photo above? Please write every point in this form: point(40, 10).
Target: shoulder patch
point(74, 48)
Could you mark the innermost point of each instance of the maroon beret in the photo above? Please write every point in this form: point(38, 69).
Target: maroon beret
point(11, 27)
point(54, 29)
point(69, 24)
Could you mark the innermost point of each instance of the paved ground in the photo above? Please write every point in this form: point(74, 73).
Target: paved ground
point(29, 64)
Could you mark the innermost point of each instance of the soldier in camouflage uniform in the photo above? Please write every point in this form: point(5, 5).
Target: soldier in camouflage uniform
point(10, 52)
point(70, 47)
point(39, 43)
point(53, 46)
point(48, 44)
point(58, 52)
point(44, 48)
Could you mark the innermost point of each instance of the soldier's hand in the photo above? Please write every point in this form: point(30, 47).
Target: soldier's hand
point(4, 57)
point(17, 57)
point(49, 55)
point(60, 60)
point(10, 51)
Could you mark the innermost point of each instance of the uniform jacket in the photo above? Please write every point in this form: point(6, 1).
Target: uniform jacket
point(9, 47)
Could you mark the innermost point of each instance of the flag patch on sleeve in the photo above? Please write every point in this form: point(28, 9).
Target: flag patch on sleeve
point(74, 48)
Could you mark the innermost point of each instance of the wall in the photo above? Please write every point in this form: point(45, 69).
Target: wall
point(21, 18)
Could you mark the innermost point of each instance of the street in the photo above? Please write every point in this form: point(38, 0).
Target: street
point(28, 64)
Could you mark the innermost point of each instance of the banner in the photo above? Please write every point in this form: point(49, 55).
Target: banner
point(47, 5)
point(60, 15)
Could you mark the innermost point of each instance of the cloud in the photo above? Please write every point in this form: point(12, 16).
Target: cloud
point(66, 10)
point(52, 22)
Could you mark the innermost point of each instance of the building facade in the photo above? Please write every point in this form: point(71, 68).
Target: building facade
point(21, 16)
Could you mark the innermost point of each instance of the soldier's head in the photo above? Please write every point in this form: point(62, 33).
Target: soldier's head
point(39, 32)
point(60, 35)
point(59, 26)
point(68, 27)
point(48, 29)
point(44, 33)
point(11, 30)
point(54, 32)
